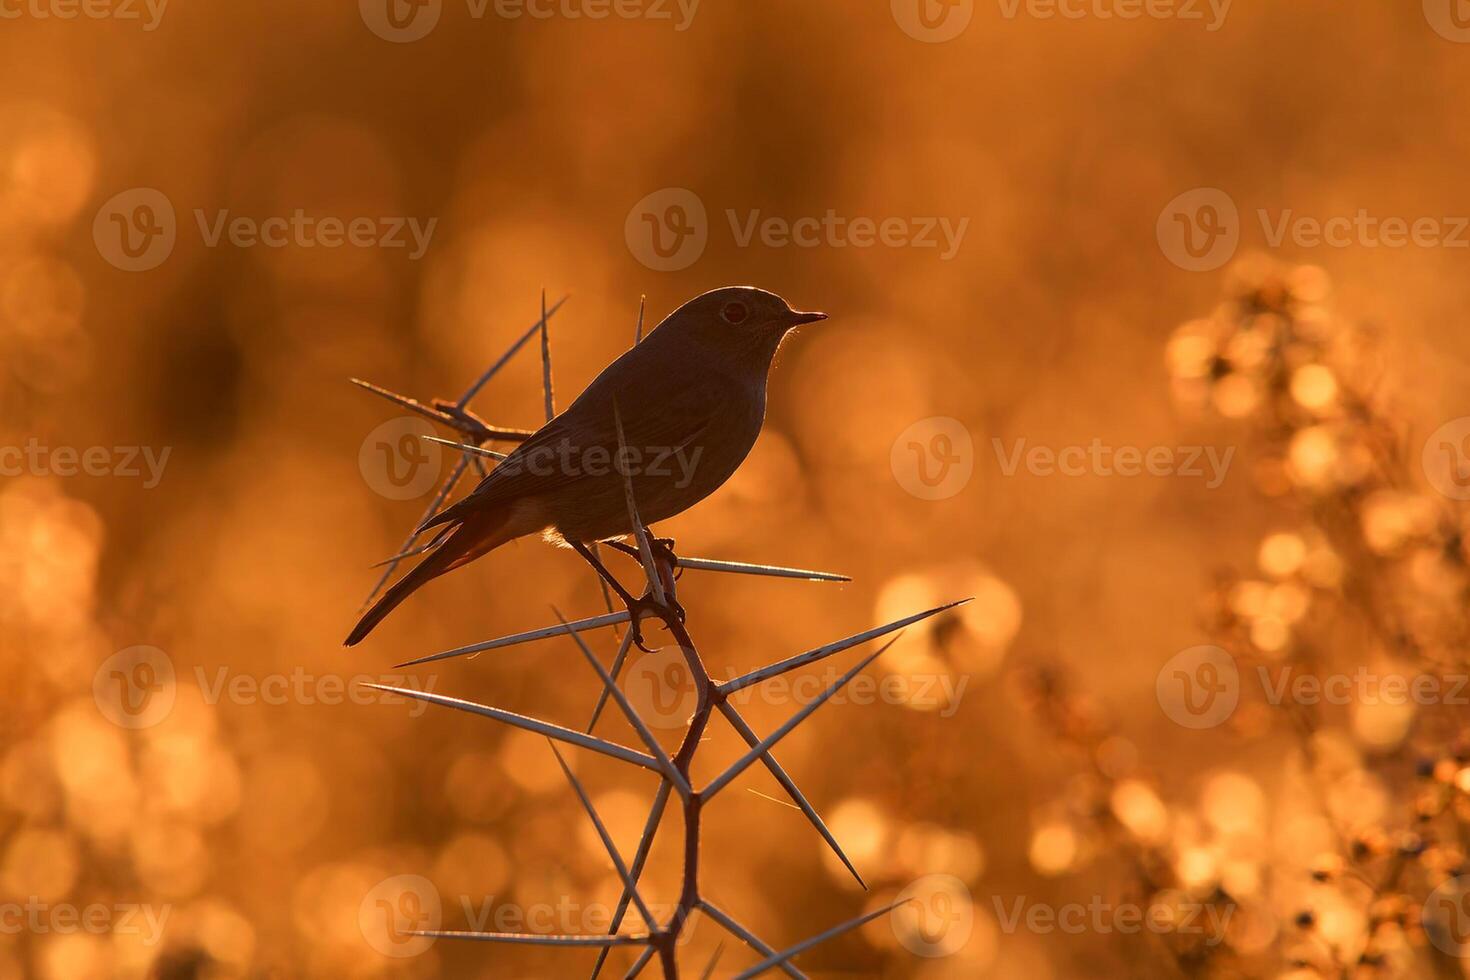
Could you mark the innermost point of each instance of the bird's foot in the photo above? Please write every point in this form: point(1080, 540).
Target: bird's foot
point(637, 609)
point(648, 606)
point(663, 554)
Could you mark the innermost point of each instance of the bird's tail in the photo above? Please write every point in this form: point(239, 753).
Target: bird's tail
point(471, 538)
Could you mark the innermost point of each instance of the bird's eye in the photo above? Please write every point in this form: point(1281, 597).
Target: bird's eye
point(734, 312)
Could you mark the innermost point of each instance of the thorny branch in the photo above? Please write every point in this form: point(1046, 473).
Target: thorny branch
point(660, 566)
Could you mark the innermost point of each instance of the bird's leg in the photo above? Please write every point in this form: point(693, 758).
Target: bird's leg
point(602, 570)
point(636, 607)
point(662, 548)
point(664, 557)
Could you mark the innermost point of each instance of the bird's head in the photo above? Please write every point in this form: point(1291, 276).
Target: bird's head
point(739, 320)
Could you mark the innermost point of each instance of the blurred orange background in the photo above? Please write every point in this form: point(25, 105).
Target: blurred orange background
point(532, 143)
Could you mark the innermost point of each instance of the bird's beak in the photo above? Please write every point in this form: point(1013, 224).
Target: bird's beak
point(799, 318)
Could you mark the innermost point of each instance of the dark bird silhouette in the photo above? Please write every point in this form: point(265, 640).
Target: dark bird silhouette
point(691, 399)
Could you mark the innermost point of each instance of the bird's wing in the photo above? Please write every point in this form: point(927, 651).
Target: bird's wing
point(664, 413)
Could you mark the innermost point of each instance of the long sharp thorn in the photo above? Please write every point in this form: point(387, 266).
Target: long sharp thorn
point(741, 567)
point(746, 936)
point(536, 725)
point(637, 968)
point(444, 491)
point(645, 846)
point(723, 779)
point(644, 548)
point(403, 401)
point(751, 739)
point(785, 955)
point(490, 372)
point(709, 969)
point(535, 939)
point(746, 568)
point(607, 841)
point(638, 336)
point(617, 667)
point(466, 448)
point(546, 361)
point(590, 623)
point(822, 652)
point(608, 684)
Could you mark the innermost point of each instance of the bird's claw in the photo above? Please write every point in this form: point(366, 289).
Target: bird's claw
point(647, 605)
point(663, 551)
point(638, 638)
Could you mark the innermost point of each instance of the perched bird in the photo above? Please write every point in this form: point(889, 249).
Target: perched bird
point(691, 399)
